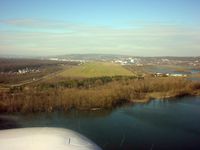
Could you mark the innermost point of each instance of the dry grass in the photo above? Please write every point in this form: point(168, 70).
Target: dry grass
point(109, 95)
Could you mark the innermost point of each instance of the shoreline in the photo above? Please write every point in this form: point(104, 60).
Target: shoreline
point(128, 103)
point(146, 100)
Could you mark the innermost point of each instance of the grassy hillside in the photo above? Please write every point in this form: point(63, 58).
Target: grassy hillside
point(96, 69)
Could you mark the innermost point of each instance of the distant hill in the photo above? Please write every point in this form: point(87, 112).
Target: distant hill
point(118, 56)
point(128, 59)
point(92, 56)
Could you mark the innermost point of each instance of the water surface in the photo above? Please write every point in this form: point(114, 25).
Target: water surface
point(158, 125)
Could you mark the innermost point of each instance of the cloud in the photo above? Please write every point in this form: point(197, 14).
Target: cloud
point(34, 23)
point(61, 38)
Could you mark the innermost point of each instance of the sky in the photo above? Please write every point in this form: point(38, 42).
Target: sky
point(128, 27)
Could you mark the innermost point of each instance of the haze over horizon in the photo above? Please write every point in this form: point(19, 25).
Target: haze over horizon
point(140, 28)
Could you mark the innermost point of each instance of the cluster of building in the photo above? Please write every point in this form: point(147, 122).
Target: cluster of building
point(128, 61)
point(27, 70)
point(20, 71)
point(169, 75)
point(67, 60)
point(141, 61)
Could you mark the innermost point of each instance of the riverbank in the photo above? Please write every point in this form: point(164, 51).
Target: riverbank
point(94, 94)
point(165, 96)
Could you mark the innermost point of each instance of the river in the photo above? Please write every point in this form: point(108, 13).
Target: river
point(157, 125)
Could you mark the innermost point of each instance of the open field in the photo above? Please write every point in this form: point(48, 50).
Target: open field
point(96, 69)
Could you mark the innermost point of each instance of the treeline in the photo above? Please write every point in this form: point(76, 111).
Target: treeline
point(84, 82)
point(14, 65)
point(112, 94)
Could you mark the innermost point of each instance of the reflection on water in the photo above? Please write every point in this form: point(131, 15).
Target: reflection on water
point(172, 124)
point(165, 69)
point(195, 71)
point(195, 79)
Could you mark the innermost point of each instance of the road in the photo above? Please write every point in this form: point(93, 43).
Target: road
point(36, 80)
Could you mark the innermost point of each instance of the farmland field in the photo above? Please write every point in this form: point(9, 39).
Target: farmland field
point(96, 69)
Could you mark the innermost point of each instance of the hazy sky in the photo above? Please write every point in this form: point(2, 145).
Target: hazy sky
point(135, 27)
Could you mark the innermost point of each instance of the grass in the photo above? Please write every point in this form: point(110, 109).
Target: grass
point(96, 69)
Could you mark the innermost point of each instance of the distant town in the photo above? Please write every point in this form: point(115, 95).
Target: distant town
point(193, 63)
point(131, 60)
